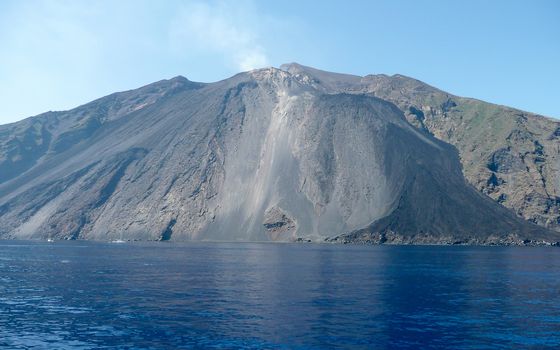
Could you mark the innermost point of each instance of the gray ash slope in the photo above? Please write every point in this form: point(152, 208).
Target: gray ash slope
point(265, 155)
point(510, 155)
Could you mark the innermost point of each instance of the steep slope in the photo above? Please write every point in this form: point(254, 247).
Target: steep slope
point(510, 155)
point(25, 144)
point(264, 155)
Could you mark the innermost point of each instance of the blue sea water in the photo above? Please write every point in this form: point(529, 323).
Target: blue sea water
point(88, 295)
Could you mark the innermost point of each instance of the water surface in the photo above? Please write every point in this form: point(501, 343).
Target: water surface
point(87, 295)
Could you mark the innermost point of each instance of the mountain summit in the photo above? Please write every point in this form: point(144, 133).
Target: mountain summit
point(277, 154)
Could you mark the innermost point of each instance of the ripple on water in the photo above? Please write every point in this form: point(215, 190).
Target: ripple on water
point(277, 296)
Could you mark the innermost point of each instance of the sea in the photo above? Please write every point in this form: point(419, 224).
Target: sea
point(208, 295)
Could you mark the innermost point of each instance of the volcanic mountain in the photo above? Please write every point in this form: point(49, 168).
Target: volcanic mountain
point(279, 154)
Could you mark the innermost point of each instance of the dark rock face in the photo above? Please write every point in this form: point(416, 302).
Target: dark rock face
point(503, 161)
point(283, 155)
point(278, 225)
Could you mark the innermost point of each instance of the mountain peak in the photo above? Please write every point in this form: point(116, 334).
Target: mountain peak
point(327, 81)
point(266, 71)
point(179, 78)
point(277, 154)
point(292, 67)
point(296, 68)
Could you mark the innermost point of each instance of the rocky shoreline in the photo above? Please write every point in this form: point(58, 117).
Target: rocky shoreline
point(378, 239)
point(426, 239)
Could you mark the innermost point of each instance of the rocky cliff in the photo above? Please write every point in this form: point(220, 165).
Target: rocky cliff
point(272, 154)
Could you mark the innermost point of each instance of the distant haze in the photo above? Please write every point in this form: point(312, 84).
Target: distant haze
point(56, 55)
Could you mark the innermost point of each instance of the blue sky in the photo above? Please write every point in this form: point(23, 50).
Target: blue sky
point(55, 55)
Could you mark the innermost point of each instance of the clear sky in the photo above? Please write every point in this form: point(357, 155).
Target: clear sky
point(55, 55)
